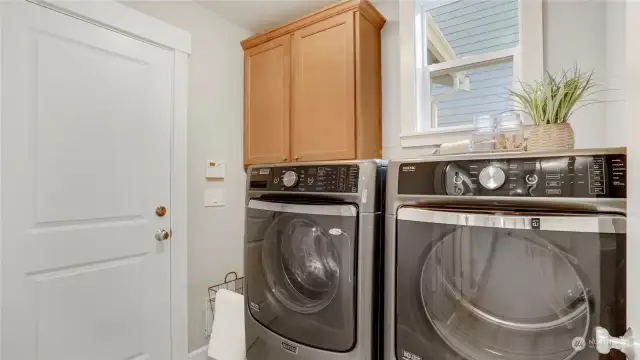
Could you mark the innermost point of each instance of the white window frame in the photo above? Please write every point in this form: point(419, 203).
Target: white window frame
point(528, 65)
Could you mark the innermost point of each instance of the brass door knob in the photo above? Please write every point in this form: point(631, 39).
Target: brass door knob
point(296, 158)
point(284, 158)
point(162, 235)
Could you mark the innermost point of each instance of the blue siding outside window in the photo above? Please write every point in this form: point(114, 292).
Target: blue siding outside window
point(473, 27)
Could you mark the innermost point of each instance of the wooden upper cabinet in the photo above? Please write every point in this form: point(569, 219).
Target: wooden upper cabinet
point(266, 102)
point(313, 89)
point(323, 107)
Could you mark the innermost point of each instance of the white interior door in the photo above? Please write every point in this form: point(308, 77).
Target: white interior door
point(85, 151)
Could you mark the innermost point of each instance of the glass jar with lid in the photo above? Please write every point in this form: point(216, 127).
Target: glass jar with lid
point(509, 132)
point(483, 136)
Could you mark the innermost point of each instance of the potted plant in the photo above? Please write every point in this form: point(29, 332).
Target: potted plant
point(550, 103)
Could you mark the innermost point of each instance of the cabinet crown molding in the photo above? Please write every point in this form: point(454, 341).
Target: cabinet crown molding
point(363, 6)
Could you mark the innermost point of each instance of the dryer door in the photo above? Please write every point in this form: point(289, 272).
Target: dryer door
point(482, 286)
point(300, 271)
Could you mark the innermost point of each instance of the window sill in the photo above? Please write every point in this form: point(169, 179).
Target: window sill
point(436, 137)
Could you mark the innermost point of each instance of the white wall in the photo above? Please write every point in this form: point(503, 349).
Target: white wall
point(616, 53)
point(576, 31)
point(214, 132)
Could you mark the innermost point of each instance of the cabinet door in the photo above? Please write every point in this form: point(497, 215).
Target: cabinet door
point(323, 122)
point(266, 102)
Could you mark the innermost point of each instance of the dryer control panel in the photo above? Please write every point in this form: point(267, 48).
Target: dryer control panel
point(597, 176)
point(307, 178)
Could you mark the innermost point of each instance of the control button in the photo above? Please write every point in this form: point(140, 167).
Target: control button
point(492, 177)
point(290, 179)
point(458, 191)
point(553, 191)
point(457, 179)
point(531, 179)
point(310, 181)
point(276, 179)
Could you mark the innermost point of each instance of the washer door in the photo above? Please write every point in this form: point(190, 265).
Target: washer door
point(300, 271)
point(301, 263)
point(484, 287)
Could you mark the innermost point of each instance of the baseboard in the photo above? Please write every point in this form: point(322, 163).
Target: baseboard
point(200, 354)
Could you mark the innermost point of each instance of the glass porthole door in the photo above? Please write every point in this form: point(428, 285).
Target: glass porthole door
point(479, 286)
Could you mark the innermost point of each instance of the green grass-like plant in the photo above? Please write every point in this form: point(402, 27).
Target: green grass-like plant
point(553, 99)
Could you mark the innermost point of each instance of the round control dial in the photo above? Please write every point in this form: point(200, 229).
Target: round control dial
point(492, 177)
point(290, 179)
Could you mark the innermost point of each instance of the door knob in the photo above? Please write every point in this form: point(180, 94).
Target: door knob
point(162, 234)
point(296, 158)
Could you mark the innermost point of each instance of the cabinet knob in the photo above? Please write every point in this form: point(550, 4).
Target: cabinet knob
point(284, 158)
point(296, 158)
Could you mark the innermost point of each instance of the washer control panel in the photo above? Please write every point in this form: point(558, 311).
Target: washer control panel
point(320, 178)
point(570, 176)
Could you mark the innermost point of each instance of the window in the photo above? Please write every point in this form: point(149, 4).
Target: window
point(467, 55)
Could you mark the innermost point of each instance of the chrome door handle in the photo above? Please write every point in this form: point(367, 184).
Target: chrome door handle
point(162, 234)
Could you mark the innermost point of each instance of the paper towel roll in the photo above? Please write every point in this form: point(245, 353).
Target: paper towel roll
point(227, 333)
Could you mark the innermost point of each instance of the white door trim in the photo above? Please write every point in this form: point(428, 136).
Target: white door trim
point(179, 281)
point(115, 16)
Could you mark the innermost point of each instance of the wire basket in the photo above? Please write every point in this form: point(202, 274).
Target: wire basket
point(231, 282)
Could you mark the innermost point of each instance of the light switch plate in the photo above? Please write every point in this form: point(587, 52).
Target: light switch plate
point(215, 169)
point(214, 197)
